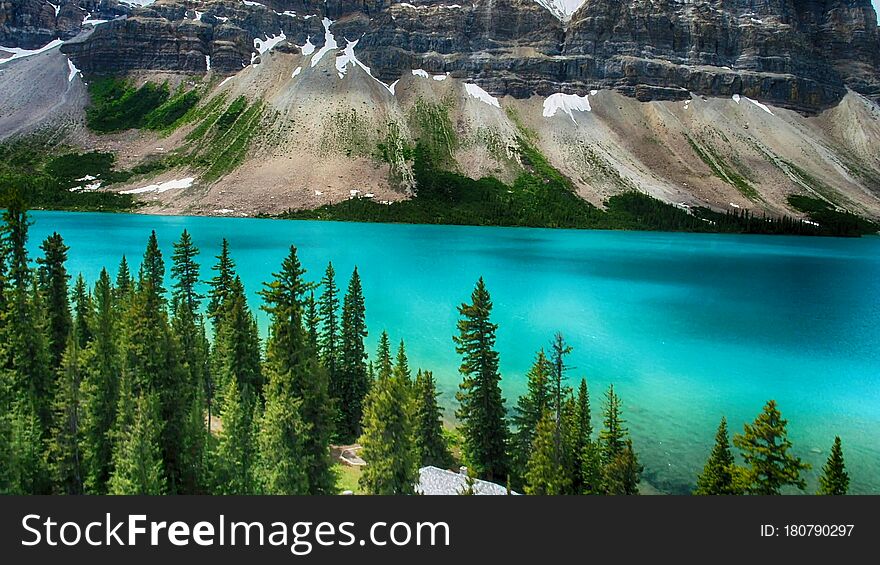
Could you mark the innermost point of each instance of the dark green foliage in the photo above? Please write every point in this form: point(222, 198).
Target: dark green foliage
point(387, 439)
point(612, 438)
point(137, 461)
point(281, 467)
point(29, 464)
point(328, 335)
point(832, 221)
point(82, 311)
point(295, 373)
point(52, 276)
point(118, 105)
point(428, 422)
point(481, 406)
point(354, 381)
point(167, 115)
point(236, 452)
point(622, 474)
point(100, 388)
point(237, 346)
point(545, 474)
point(66, 454)
point(834, 479)
point(528, 412)
point(765, 448)
point(232, 112)
point(220, 286)
point(719, 474)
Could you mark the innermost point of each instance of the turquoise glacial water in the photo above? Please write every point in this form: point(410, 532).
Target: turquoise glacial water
point(688, 327)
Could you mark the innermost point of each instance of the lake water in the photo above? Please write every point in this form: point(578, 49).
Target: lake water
point(688, 327)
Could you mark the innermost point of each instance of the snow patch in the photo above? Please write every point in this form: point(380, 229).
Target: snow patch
point(263, 45)
point(420, 73)
point(249, 3)
point(161, 187)
point(562, 9)
point(94, 22)
point(73, 70)
point(475, 91)
point(224, 211)
point(568, 103)
point(761, 106)
point(308, 48)
point(225, 80)
point(736, 98)
point(208, 62)
point(19, 53)
point(440, 77)
point(349, 58)
point(57, 8)
point(329, 42)
point(198, 16)
point(296, 71)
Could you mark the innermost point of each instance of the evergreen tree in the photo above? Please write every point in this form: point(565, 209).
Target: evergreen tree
point(545, 474)
point(387, 439)
point(235, 459)
point(151, 277)
point(124, 285)
point(137, 458)
point(354, 381)
point(834, 479)
point(53, 278)
point(765, 447)
point(328, 337)
point(221, 284)
point(481, 406)
point(612, 438)
point(559, 350)
point(101, 361)
point(429, 441)
point(30, 468)
point(237, 345)
point(623, 472)
point(719, 473)
point(294, 372)
point(591, 469)
point(528, 411)
point(283, 466)
point(82, 311)
point(313, 321)
point(66, 452)
point(401, 366)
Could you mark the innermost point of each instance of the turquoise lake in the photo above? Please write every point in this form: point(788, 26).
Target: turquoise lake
point(688, 327)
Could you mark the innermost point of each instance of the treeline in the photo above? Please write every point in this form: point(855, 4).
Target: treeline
point(118, 389)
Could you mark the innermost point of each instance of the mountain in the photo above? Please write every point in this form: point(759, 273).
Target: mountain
point(290, 104)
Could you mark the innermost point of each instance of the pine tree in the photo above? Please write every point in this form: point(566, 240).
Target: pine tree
point(237, 345)
point(190, 333)
point(481, 406)
point(766, 449)
point(283, 458)
point(82, 311)
point(528, 411)
point(354, 381)
point(313, 321)
point(221, 284)
point(623, 472)
point(591, 469)
point(66, 451)
point(29, 463)
point(53, 278)
point(719, 473)
point(151, 277)
point(401, 366)
point(559, 350)
point(124, 280)
point(429, 441)
point(294, 372)
point(101, 361)
point(545, 474)
point(328, 337)
point(612, 438)
point(834, 479)
point(137, 458)
point(236, 452)
point(387, 439)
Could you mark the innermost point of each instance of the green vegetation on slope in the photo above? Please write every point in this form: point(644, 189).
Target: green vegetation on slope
point(831, 221)
point(28, 171)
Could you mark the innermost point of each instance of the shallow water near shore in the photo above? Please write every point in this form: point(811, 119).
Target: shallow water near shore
point(688, 327)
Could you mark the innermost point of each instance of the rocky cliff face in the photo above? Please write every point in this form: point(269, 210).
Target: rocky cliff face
point(800, 54)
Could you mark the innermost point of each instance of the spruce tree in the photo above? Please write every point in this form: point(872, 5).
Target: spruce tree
point(718, 476)
point(623, 472)
point(82, 311)
point(101, 361)
point(221, 284)
point(137, 467)
point(66, 451)
point(354, 381)
point(429, 441)
point(612, 438)
point(30, 467)
point(545, 474)
point(284, 462)
point(481, 406)
point(53, 278)
point(387, 439)
point(124, 284)
point(237, 346)
point(236, 452)
point(313, 321)
point(328, 337)
point(834, 479)
point(295, 373)
point(591, 469)
point(766, 450)
point(528, 411)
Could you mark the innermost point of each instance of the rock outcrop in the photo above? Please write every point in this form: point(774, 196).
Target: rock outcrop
point(800, 54)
